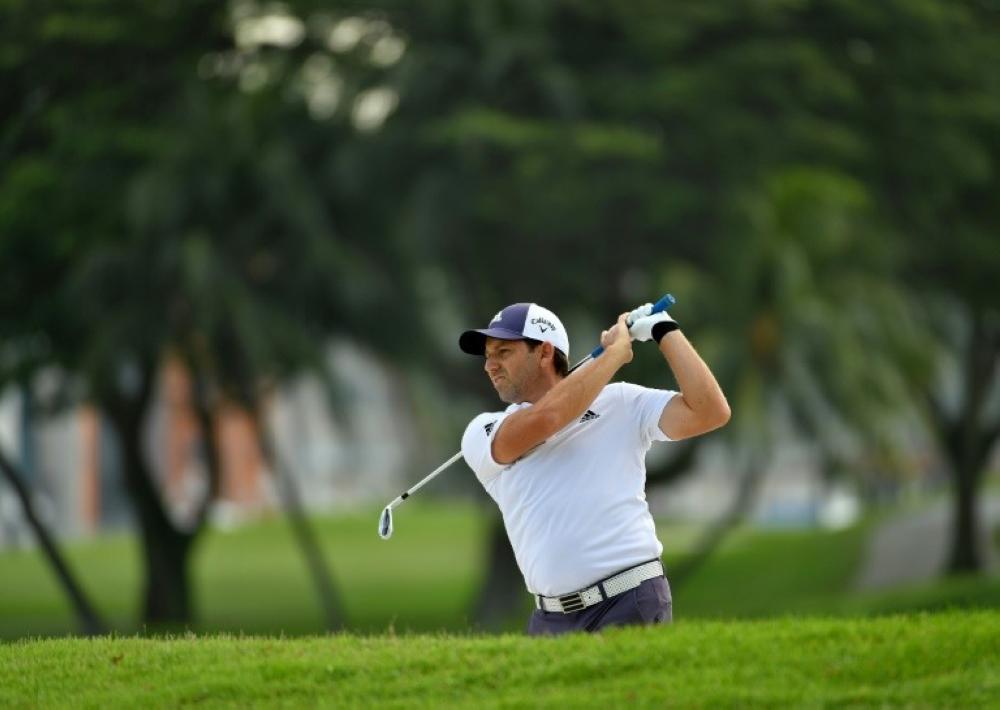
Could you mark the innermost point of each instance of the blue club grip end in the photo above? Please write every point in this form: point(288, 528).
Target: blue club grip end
point(663, 304)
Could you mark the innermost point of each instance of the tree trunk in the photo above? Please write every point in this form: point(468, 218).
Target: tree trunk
point(291, 503)
point(166, 596)
point(965, 553)
point(90, 623)
point(166, 548)
point(968, 439)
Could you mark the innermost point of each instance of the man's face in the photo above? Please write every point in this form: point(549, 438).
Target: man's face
point(513, 368)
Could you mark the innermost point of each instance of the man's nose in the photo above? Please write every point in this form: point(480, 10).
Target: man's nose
point(490, 365)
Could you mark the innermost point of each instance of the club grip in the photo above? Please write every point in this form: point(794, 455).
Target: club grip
point(663, 304)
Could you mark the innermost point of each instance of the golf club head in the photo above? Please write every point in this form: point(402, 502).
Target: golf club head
point(385, 524)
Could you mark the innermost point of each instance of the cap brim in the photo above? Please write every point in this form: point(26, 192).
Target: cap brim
point(474, 341)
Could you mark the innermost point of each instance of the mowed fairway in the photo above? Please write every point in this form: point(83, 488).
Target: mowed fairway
point(948, 659)
point(253, 579)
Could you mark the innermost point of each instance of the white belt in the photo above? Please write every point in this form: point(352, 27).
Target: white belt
point(605, 589)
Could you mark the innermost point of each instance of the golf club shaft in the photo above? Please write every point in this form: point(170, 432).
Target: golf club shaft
point(661, 305)
point(425, 480)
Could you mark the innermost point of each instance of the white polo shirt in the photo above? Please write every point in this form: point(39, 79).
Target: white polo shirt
point(575, 507)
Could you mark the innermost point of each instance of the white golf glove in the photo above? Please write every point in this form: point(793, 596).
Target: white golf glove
point(640, 312)
point(647, 327)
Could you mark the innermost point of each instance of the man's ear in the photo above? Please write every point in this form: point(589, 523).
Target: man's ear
point(548, 352)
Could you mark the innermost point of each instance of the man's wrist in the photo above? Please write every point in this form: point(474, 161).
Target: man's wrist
point(620, 352)
point(662, 328)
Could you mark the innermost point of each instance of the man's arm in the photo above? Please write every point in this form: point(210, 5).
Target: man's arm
point(567, 400)
point(701, 406)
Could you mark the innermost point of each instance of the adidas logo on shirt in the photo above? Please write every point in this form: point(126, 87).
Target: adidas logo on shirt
point(589, 415)
point(489, 427)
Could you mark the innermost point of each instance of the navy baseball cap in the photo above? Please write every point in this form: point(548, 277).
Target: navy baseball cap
point(517, 322)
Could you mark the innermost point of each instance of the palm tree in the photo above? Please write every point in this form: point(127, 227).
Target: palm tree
point(803, 327)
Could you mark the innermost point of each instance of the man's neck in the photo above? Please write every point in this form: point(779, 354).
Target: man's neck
point(544, 385)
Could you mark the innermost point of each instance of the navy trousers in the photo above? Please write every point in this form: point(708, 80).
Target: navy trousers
point(649, 603)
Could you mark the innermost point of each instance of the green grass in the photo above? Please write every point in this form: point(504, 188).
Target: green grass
point(940, 660)
point(32, 602)
point(772, 572)
point(254, 580)
point(965, 592)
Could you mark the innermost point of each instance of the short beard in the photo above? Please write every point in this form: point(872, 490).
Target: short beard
point(509, 393)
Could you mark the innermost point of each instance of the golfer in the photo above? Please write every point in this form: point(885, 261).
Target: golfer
point(565, 462)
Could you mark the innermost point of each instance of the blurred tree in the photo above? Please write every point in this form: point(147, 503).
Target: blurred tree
point(579, 149)
point(809, 336)
point(166, 201)
point(928, 75)
point(78, 128)
point(777, 165)
point(568, 148)
point(536, 175)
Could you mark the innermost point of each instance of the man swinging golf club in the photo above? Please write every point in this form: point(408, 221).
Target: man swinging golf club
point(565, 461)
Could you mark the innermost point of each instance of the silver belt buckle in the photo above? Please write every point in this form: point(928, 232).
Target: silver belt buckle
point(571, 602)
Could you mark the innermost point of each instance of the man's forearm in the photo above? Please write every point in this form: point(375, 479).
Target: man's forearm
point(571, 397)
point(567, 400)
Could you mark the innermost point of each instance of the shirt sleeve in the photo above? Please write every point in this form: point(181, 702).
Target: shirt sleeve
point(477, 446)
point(646, 405)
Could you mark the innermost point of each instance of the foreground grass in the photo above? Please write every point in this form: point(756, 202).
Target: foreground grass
point(950, 659)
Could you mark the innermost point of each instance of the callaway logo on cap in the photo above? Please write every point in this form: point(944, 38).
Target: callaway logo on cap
point(517, 322)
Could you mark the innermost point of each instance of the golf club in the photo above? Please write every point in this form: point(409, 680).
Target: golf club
point(385, 527)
